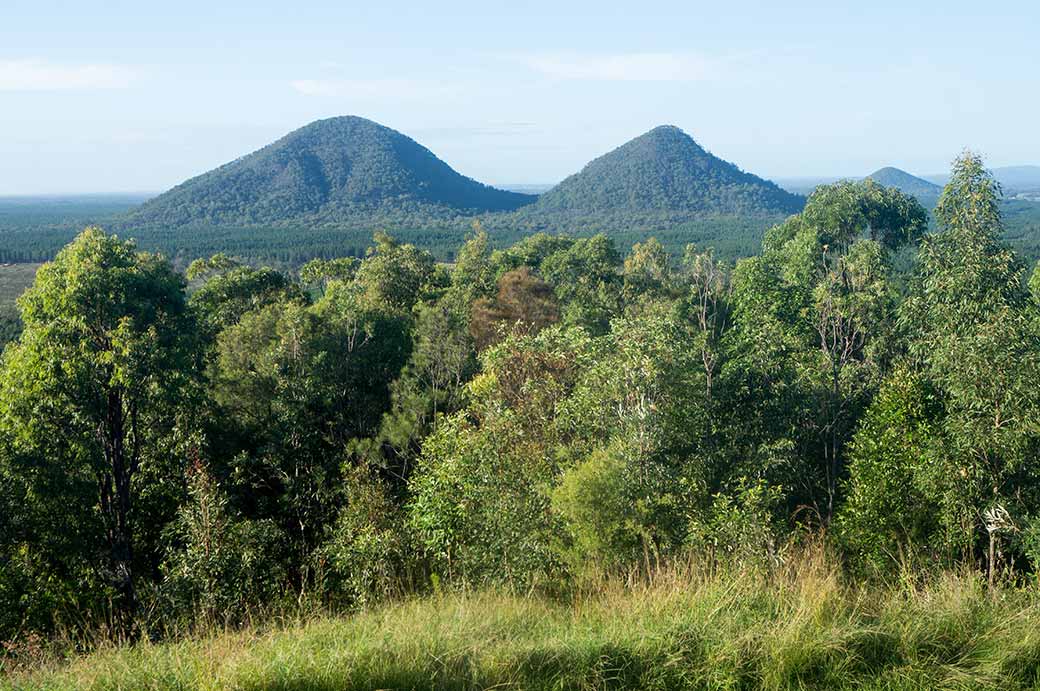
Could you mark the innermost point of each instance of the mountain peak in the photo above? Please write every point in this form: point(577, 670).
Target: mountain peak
point(665, 170)
point(326, 171)
point(666, 131)
point(926, 192)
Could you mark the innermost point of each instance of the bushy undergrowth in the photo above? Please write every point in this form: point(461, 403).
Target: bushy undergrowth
point(800, 626)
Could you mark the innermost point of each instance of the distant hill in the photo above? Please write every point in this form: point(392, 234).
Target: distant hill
point(1019, 182)
point(926, 192)
point(665, 171)
point(1013, 179)
point(804, 185)
point(330, 171)
point(527, 187)
point(1019, 177)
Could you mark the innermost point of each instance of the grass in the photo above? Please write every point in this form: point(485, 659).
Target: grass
point(801, 629)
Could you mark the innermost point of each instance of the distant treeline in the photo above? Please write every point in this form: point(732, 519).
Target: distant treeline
point(37, 234)
point(34, 232)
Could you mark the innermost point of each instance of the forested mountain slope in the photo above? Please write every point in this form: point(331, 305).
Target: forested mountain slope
point(332, 170)
point(666, 170)
point(926, 192)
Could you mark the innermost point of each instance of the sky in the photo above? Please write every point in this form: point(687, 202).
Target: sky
point(121, 96)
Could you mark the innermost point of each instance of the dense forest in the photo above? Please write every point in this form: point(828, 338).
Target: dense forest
point(179, 451)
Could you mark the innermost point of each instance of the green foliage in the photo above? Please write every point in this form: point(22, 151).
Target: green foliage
point(432, 384)
point(616, 514)
point(585, 279)
point(480, 505)
point(368, 556)
point(891, 514)
point(815, 313)
point(219, 568)
point(846, 211)
point(229, 290)
point(292, 384)
point(973, 337)
point(395, 274)
point(530, 416)
point(647, 271)
point(318, 273)
point(742, 529)
point(473, 275)
point(89, 406)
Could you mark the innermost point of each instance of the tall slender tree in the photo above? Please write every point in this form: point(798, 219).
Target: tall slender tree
point(93, 385)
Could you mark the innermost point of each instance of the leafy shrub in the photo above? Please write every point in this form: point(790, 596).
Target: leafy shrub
point(742, 527)
point(368, 555)
point(219, 568)
point(614, 514)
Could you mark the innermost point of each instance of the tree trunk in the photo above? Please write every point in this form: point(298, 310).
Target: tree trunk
point(992, 557)
point(116, 504)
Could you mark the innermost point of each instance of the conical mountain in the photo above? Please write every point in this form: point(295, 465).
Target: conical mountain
point(665, 170)
point(926, 192)
point(330, 170)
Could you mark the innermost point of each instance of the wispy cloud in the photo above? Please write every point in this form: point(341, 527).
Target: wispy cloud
point(625, 67)
point(41, 75)
point(373, 89)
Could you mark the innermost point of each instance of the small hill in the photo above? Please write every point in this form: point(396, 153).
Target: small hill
point(665, 170)
point(1013, 179)
point(1018, 178)
point(926, 192)
point(330, 171)
point(804, 185)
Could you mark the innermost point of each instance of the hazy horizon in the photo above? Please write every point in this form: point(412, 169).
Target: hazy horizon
point(122, 99)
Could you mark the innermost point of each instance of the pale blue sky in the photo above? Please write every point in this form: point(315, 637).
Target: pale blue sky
point(114, 95)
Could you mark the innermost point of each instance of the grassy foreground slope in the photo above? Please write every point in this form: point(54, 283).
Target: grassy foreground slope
point(801, 629)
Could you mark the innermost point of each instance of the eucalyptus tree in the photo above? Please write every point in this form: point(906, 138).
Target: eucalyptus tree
point(974, 348)
point(479, 504)
point(815, 312)
point(292, 385)
point(90, 400)
point(647, 272)
point(523, 304)
point(708, 306)
point(318, 273)
point(585, 278)
point(393, 273)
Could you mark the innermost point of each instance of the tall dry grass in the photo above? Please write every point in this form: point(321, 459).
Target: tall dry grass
point(801, 626)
